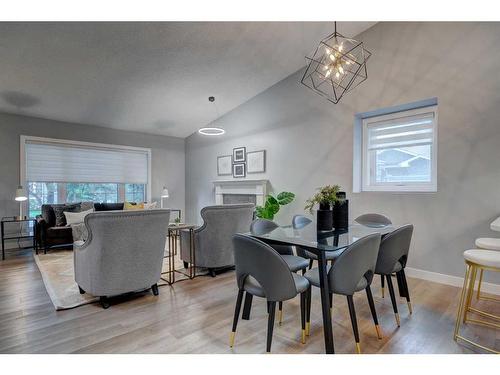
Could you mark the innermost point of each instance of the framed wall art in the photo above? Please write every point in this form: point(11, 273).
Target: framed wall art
point(239, 170)
point(224, 165)
point(239, 155)
point(256, 161)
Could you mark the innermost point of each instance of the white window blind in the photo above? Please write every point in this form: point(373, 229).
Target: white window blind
point(416, 130)
point(399, 151)
point(58, 162)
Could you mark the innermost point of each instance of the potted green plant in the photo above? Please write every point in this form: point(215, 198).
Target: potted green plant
point(325, 198)
point(272, 205)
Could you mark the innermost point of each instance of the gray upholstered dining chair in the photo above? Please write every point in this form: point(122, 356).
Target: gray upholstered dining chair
point(351, 272)
point(375, 221)
point(392, 258)
point(295, 263)
point(261, 271)
point(298, 222)
point(213, 247)
point(123, 252)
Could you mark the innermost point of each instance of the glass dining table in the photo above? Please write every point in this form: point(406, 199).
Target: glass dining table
point(319, 243)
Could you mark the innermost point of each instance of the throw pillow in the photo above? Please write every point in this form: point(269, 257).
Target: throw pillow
point(131, 206)
point(76, 217)
point(80, 232)
point(150, 206)
point(59, 212)
point(85, 206)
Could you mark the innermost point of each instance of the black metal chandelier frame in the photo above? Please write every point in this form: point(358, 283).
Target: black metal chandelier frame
point(314, 64)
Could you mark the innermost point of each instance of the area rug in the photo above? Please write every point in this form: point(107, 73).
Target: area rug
point(58, 276)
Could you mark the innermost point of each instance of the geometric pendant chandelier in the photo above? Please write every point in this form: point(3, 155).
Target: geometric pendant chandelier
point(336, 67)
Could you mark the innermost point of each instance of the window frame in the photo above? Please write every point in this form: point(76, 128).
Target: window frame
point(24, 208)
point(402, 186)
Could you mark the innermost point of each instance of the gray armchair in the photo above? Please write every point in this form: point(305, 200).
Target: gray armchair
point(123, 252)
point(213, 240)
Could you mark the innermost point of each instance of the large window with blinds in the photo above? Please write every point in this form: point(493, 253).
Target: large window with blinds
point(59, 171)
point(399, 151)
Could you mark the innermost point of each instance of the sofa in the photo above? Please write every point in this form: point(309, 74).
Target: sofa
point(213, 240)
point(49, 235)
point(123, 252)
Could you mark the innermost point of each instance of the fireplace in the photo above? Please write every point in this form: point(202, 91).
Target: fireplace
point(240, 191)
point(239, 198)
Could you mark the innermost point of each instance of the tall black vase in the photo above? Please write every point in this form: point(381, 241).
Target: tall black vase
point(324, 217)
point(340, 214)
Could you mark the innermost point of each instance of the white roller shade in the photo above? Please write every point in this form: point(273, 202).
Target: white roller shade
point(56, 162)
point(416, 130)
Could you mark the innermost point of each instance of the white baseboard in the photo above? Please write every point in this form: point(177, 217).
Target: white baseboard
point(449, 280)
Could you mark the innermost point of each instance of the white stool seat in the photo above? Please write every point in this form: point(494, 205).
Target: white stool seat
point(481, 257)
point(488, 243)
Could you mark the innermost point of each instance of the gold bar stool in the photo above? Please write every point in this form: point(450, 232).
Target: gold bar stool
point(476, 260)
point(487, 244)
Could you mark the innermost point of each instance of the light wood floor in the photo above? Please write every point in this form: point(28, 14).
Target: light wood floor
point(195, 317)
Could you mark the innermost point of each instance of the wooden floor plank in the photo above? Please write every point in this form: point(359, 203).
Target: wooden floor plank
point(195, 317)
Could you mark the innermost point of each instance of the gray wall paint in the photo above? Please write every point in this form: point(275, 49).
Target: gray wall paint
point(309, 141)
point(167, 154)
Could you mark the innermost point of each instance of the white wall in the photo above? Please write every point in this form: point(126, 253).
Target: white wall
point(309, 140)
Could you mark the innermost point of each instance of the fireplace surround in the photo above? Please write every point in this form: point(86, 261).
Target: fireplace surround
point(240, 191)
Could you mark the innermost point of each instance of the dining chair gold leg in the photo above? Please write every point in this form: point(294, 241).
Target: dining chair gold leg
point(398, 320)
point(354, 322)
point(308, 311)
point(236, 316)
point(393, 299)
point(358, 348)
point(461, 303)
point(303, 313)
point(371, 303)
point(479, 285)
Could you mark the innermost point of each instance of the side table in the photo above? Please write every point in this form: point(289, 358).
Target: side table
point(17, 236)
point(173, 234)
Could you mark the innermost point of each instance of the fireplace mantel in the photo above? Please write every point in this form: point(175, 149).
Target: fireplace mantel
point(244, 187)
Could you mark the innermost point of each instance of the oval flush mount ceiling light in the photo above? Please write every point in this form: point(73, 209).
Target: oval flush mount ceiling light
point(212, 130)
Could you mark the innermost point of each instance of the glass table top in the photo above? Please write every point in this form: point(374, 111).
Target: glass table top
point(308, 236)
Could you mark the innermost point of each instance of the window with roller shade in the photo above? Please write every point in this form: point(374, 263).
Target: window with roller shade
point(399, 151)
point(65, 172)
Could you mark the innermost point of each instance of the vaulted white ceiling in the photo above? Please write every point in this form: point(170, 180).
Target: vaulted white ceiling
point(148, 77)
